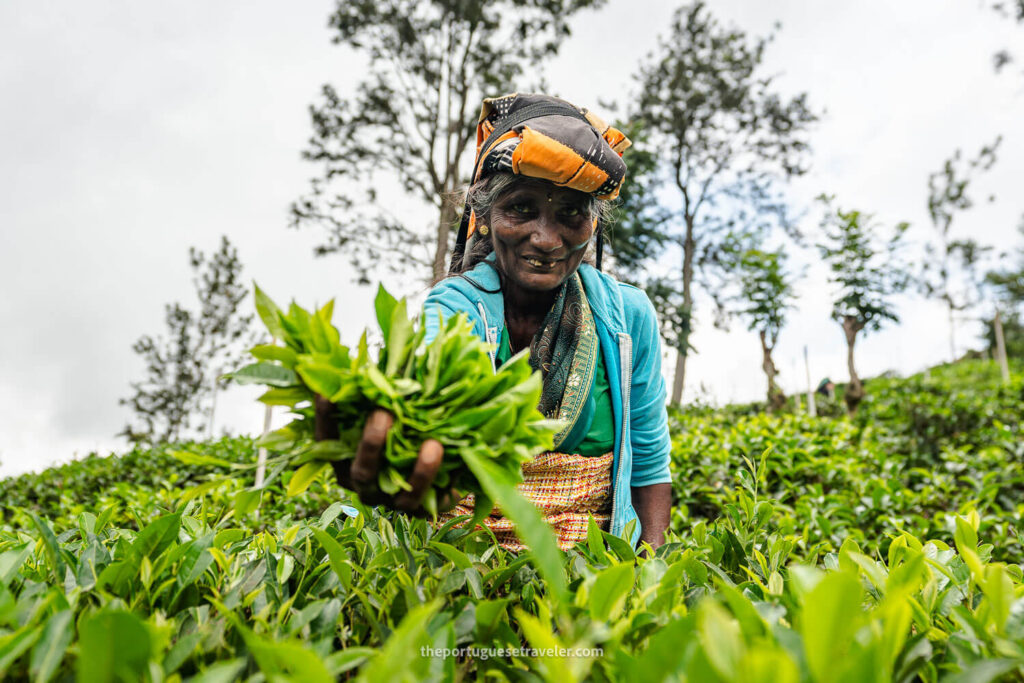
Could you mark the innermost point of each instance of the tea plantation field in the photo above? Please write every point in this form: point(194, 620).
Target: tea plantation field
point(881, 548)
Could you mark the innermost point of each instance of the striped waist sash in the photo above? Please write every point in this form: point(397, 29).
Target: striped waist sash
point(566, 488)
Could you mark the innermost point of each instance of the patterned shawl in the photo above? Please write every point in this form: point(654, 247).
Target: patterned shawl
point(565, 350)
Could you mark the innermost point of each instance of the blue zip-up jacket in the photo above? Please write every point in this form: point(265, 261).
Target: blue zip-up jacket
point(628, 332)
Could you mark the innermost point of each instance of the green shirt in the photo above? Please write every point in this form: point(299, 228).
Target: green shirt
point(599, 437)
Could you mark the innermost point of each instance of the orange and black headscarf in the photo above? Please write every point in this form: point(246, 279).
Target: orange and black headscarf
point(543, 137)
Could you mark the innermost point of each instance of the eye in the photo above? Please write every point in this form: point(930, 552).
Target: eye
point(571, 211)
point(521, 208)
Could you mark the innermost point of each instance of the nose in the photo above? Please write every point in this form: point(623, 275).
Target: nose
point(545, 236)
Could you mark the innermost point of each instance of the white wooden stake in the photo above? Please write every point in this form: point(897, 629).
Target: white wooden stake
point(796, 393)
point(812, 407)
point(1004, 366)
point(261, 457)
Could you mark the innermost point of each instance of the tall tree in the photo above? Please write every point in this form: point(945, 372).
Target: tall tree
point(184, 366)
point(723, 139)
point(951, 270)
point(1004, 333)
point(411, 119)
point(866, 271)
point(1012, 9)
point(766, 293)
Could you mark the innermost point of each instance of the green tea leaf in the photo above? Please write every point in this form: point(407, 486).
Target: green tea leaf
point(828, 623)
point(157, 536)
point(269, 312)
point(384, 305)
point(305, 476)
point(609, 592)
point(49, 650)
point(246, 501)
point(199, 459)
point(11, 561)
point(285, 659)
point(264, 372)
point(12, 646)
point(221, 672)
point(393, 662)
point(286, 396)
point(273, 352)
point(114, 646)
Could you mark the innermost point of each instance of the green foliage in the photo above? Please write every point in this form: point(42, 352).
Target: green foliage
point(1014, 10)
point(864, 266)
point(766, 291)
point(866, 272)
point(951, 270)
point(802, 550)
point(183, 369)
point(412, 116)
point(716, 131)
point(447, 390)
point(1007, 287)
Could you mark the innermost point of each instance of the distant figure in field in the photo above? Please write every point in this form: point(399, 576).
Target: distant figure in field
point(827, 388)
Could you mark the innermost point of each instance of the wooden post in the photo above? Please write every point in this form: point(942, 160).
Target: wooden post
point(1004, 365)
point(812, 408)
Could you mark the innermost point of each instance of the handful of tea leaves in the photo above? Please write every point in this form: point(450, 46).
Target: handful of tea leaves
point(446, 390)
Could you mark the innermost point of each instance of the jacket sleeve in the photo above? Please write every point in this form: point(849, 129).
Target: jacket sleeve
point(648, 417)
point(442, 303)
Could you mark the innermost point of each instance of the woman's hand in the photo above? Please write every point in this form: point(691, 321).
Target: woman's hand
point(360, 474)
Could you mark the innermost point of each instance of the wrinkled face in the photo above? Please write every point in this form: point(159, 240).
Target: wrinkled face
point(540, 233)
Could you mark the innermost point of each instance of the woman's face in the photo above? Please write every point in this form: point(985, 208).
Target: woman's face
point(540, 234)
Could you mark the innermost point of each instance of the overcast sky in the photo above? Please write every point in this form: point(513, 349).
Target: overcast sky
point(130, 131)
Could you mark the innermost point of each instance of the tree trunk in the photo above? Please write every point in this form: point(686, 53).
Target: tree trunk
point(776, 397)
point(689, 248)
point(1004, 366)
point(855, 389)
point(446, 220)
point(680, 376)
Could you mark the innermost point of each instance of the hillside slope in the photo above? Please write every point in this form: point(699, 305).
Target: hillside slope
point(827, 549)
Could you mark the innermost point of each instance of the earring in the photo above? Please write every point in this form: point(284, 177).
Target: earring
point(484, 230)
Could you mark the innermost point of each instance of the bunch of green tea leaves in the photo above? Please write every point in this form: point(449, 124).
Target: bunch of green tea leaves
point(447, 389)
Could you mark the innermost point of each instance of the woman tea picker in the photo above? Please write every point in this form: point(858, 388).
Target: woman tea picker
point(544, 173)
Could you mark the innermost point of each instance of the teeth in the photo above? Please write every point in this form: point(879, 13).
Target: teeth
point(541, 264)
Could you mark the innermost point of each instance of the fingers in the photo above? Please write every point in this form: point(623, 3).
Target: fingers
point(341, 472)
point(448, 500)
point(360, 474)
point(324, 426)
point(423, 472)
point(363, 473)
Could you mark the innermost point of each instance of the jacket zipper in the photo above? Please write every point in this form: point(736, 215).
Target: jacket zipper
point(490, 333)
point(626, 363)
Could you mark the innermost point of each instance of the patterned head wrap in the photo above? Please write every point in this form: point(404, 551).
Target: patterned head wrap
point(543, 137)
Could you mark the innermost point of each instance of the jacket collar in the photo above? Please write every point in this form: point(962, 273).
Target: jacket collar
point(602, 294)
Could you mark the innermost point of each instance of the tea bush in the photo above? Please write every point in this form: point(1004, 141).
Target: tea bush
point(880, 548)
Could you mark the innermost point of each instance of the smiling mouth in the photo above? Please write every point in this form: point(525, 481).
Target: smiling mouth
point(543, 264)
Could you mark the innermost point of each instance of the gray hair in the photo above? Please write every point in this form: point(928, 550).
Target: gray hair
point(482, 196)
